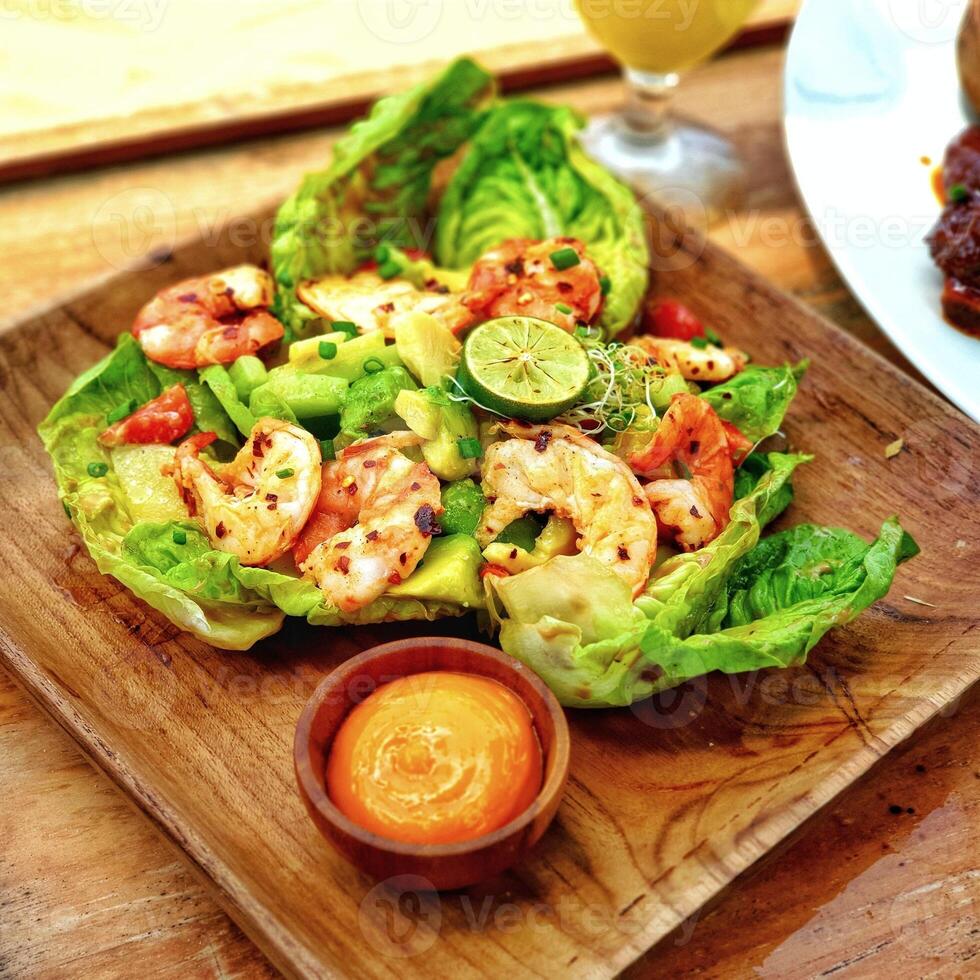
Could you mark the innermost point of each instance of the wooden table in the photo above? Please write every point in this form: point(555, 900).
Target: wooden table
point(886, 881)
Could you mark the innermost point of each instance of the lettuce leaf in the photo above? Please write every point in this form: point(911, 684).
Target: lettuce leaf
point(377, 185)
point(525, 175)
point(736, 605)
point(219, 383)
point(756, 399)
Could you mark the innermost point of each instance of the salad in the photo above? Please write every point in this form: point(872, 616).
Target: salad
point(427, 408)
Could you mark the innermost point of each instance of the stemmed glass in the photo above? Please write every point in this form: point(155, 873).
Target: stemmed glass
point(676, 162)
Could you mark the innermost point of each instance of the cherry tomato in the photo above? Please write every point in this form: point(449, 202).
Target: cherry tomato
point(166, 418)
point(670, 318)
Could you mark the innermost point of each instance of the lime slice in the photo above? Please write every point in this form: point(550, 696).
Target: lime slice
point(523, 368)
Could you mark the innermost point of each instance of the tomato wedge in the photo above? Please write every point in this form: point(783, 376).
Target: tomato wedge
point(168, 417)
point(671, 318)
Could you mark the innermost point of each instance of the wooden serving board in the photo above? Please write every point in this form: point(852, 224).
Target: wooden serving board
point(667, 802)
point(175, 74)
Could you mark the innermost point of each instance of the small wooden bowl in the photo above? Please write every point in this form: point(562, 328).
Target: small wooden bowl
point(444, 865)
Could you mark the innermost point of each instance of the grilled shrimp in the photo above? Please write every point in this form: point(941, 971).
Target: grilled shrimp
point(256, 506)
point(690, 458)
point(370, 302)
point(375, 517)
point(209, 320)
point(708, 363)
point(519, 277)
point(558, 469)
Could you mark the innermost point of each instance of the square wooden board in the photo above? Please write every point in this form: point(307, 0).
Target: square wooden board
point(666, 803)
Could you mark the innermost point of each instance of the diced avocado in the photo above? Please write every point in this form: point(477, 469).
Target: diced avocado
point(307, 396)
point(463, 503)
point(219, 380)
point(150, 496)
point(348, 362)
point(246, 374)
point(449, 572)
point(265, 401)
point(371, 401)
point(427, 348)
point(442, 423)
point(558, 538)
point(662, 390)
point(523, 532)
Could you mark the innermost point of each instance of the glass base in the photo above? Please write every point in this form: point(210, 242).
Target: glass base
point(685, 167)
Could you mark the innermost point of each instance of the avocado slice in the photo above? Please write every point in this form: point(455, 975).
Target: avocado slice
point(557, 538)
point(433, 415)
point(349, 357)
point(449, 572)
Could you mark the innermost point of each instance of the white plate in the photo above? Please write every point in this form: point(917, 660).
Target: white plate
point(871, 89)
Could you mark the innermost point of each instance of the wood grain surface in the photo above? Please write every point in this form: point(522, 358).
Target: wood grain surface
point(175, 74)
point(99, 899)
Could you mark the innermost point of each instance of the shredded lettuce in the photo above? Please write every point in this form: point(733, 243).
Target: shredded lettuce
point(525, 175)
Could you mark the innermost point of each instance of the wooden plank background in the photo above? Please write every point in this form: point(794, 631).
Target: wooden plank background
point(95, 81)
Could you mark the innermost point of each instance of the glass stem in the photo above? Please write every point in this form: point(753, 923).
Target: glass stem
point(647, 115)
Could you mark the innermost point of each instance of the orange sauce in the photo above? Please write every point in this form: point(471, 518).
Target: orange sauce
point(435, 758)
point(938, 185)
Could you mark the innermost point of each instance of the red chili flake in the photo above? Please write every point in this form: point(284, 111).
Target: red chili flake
point(564, 287)
point(369, 464)
point(402, 558)
point(513, 554)
point(695, 370)
point(694, 447)
point(219, 531)
point(515, 268)
point(257, 449)
point(541, 443)
point(416, 486)
point(394, 578)
point(695, 512)
point(352, 489)
point(271, 496)
point(343, 564)
point(387, 307)
point(711, 365)
point(341, 545)
point(372, 535)
point(623, 553)
point(187, 298)
point(272, 506)
point(727, 396)
point(230, 333)
point(637, 501)
point(425, 521)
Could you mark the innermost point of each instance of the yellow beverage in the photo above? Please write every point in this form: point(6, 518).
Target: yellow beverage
point(663, 36)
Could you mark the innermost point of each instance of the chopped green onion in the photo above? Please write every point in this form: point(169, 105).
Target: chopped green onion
point(121, 411)
point(382, 253)
point(712, 337)
point(469, 448)
point(605, 284)
point(286, 473)
point(958, 194)
point(344, 326)
point(97, 469)
point(565, 258)
point(684, 470)
point(373, 365)
point(388, 270)
point(563, 308)
point(327, 450)
point(179, 536)
point(699, 342)
point(327, 349)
